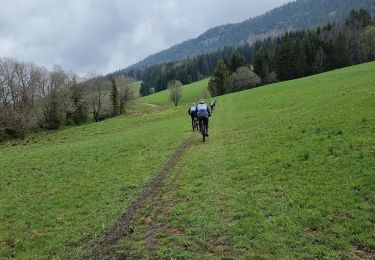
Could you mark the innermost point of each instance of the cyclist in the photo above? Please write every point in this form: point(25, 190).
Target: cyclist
point(203, 113)
point(212, 104)
point(193, 113)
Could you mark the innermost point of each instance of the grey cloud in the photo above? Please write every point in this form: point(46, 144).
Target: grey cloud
point(102, 36)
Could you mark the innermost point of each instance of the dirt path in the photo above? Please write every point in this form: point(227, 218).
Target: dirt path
point(151, 105)
point(122, 228)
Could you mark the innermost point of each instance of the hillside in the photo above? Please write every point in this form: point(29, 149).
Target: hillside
point(287, 172)
point(298, 15)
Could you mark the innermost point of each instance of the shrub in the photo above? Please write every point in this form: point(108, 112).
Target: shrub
point(3, 136)
point(243, 78)
point(52, 117)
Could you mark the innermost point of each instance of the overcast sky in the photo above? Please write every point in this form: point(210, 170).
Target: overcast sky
point(100, 36)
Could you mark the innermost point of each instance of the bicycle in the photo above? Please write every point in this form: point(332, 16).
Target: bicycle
point(195, 124)
point(203, 130)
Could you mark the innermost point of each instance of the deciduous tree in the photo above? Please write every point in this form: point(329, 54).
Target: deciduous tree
point(175, 91)
point(115, 99)
point(126, 91)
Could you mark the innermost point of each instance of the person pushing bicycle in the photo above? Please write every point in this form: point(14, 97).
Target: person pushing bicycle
point(203, 113)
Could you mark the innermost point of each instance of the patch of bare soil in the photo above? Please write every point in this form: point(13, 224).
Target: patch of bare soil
point(122, 228)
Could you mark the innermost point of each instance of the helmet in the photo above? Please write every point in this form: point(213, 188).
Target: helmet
point(201, 101)
point(193, 104)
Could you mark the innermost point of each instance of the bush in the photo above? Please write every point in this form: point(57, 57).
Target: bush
point(3, 136)
point(243, 78)
point(53, 118)
point(271, 78)
point(104, 116)
point(79, 115)
point(12, 133)
point(69, 120)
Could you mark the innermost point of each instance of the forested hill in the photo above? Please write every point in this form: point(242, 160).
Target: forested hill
point(297, 15)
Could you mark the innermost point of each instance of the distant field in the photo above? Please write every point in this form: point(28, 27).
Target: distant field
point(137, 87)
point(190, 93)
point(160, 101)
point(287, 172)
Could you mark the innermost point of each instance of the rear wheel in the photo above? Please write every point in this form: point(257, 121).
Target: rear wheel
point(196, 124)
point(204, 132)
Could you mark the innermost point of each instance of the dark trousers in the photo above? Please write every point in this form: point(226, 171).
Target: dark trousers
point(203, 120)
point(192, 118)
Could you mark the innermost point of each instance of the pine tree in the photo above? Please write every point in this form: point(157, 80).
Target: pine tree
point(342, 53)
point(359, 19)
point(236, 61)
point(260, 66)
point(299, 59)
point(284, 59)
point(319, 61)
point(218, 84)
point(205, 66)
point(115, 99)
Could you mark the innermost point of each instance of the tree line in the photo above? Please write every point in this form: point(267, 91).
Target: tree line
point(289, 56)
point(299, 15)
point(34, 98)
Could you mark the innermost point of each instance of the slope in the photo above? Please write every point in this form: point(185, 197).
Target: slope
point(60, 191)
point(287, 172)
point(296, 15)
point(160, 100)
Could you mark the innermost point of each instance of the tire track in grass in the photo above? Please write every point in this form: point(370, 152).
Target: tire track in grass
point(155, 217)
point(122, 228)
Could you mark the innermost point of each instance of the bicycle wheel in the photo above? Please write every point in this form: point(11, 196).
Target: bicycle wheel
point(196, 124)
point(204, 132)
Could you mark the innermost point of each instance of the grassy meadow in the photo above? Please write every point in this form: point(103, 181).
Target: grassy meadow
point(160, 101)
point(136, 86)
point(60, 190)
point(288, 171)
point(190, 93)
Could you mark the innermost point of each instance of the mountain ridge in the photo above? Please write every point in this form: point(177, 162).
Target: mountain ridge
point(293, 16)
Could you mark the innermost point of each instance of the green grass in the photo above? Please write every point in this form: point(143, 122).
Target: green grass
point(160, 101)
point(61, 190)
point(191, 92)
point(288, 171)
point(137, 87)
